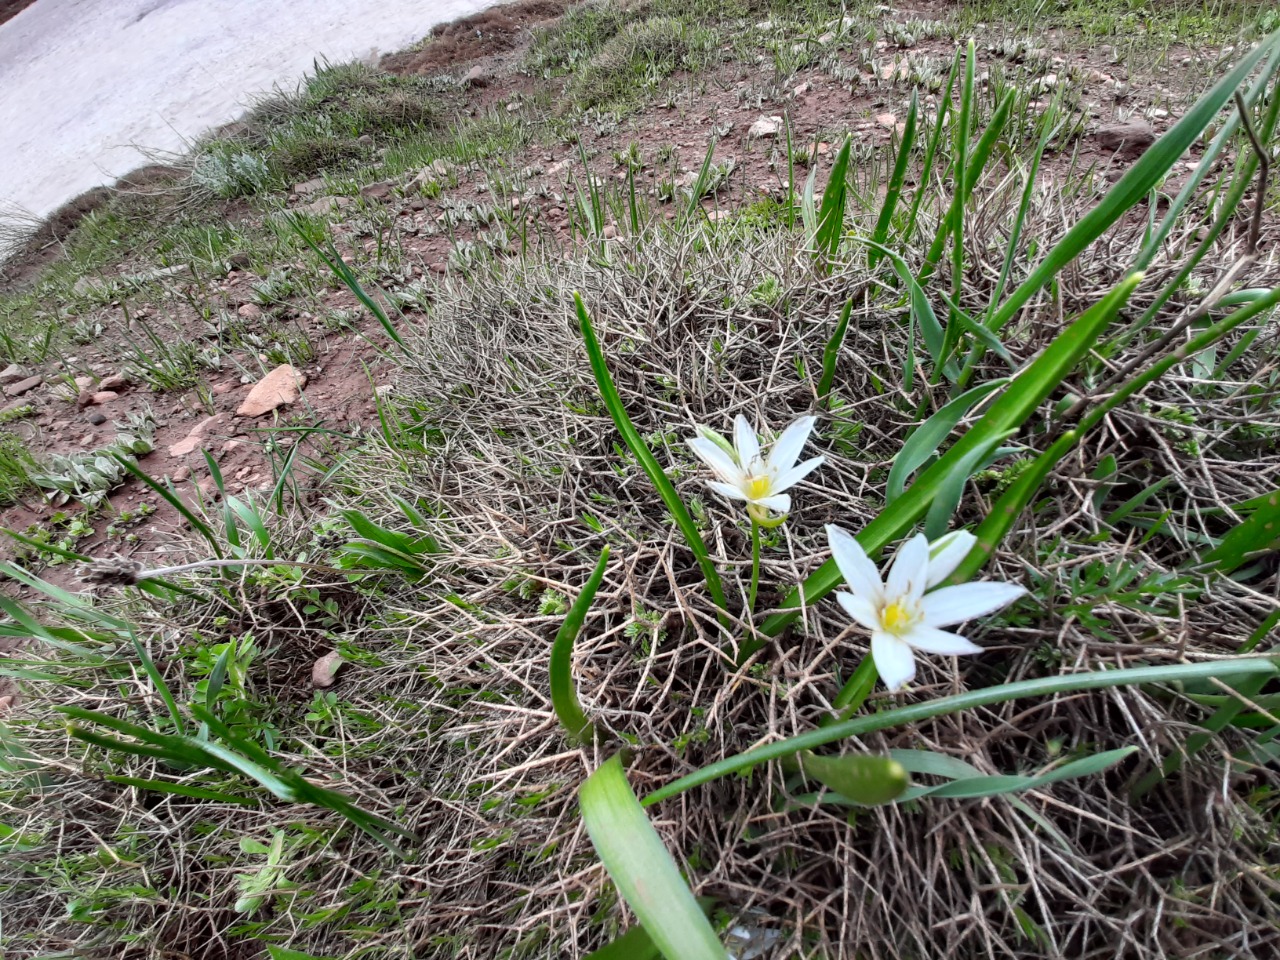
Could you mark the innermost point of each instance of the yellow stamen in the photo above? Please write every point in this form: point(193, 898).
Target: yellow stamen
point(758, 487)
point(895, 616)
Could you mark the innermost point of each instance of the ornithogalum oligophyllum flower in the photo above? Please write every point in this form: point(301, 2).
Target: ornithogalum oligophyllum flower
point(744, 474)
point(904, 613)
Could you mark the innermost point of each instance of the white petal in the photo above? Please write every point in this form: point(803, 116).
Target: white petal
point(946, 553)
point(744, 438)
point(968, 600)
point(726, 490)
point(790, 478)
point(716, 438)
point(716, 459)
point(862, 610)
point(933, 640)
point(786, 449)
point(855, 566)
point(894, 661)
point(910, 570)
point(778, 503)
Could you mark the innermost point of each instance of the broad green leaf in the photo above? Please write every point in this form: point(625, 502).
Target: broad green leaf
point(925, 440)
point(1257, 534)
point(642, 869)
point(831, 215)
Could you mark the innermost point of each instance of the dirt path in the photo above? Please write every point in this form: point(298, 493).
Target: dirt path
point(91, 88)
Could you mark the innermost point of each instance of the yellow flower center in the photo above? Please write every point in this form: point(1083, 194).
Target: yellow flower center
point(895, 616)
point(758, 487)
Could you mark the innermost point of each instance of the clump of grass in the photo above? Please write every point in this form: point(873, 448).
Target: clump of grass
point(635, 59)
point(16, 466)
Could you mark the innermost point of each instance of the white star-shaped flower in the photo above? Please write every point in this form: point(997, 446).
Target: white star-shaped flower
point(904, 613)
point(743, 473)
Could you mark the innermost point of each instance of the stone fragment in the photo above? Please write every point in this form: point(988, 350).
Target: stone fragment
point(1129, 138)
point(13, 373)
point(325, 670)
point(280, 387)
point(765, 127)
point(23, 386)
point(195, 439)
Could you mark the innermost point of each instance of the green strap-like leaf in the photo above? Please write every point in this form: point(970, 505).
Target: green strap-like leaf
point(564, 695)
point(643, 870)
point(640, 450)
point(1010, 410)
point(917, 712)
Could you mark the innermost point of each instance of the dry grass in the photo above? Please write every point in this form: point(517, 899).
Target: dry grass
point(443, 720)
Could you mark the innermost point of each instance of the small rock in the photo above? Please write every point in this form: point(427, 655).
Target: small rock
point(208, 488)
point(278, 388)
point(417, 203)
point(6, 704)
point(238, 261)
point(886, 120)
point(195, 438)
point(477, 76)
point(513, 106)
point(117, 383)
point(308, 187)
point(325, 670)
point(181, 474)
point(1048, 81)
point(1130, 138)
point(376, 191)
point(87, 285)
point(325, 206)
point(13, 373)
point(440, 167)
point(765, 127)
point(96, 418)
point(222, 389)
point(437, 266)
point(827, 37)
point(231, 446)
point(610, 231)
point(802, 89)
point(87, 440)
point(249, 311)
point(101, 397)
point(23, 386)
point(84, 383)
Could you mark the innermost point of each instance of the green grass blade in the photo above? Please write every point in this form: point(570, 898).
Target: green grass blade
point(333, 260)
point(564, 695)
point(931, 149)
point(1010, 410)
point(1131, 189)
point(642, 869)
point(1257, 534)
point(1247, 688)
point(976, 787)
point(831, 215)
point(174, 501)
point(652, 469)
point(183, 790)
point(831, 353)
point(157, 681)
point(700, 184)
point(894, 191)
point(919, 712)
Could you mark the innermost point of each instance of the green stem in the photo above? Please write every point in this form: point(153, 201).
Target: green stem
point(755, 568)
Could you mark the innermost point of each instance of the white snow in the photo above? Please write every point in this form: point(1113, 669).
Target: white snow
point(85, 83)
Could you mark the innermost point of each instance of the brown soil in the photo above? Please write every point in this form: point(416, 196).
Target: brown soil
point(339, 394)
point(11, 8)
point(496, 30)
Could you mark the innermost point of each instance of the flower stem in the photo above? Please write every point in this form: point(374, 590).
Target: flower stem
point(755, 568)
